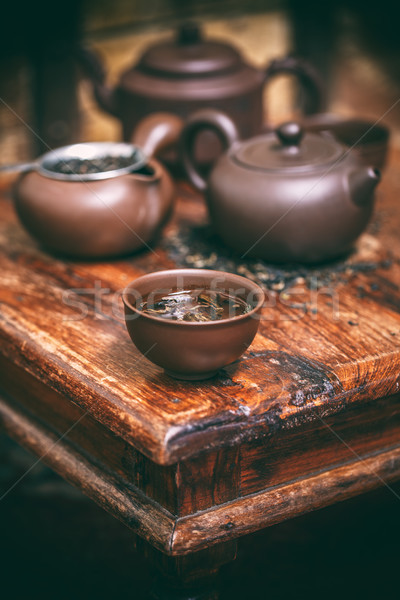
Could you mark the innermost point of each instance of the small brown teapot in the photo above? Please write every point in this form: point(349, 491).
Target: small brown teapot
point(188, 73)
point(100, 214)
point(284, 196)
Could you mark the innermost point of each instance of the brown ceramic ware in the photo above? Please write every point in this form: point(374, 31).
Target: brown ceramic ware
point(367, 139)
point(104, 214)
point(192, 350)
point(187, 73)
point(286, 196)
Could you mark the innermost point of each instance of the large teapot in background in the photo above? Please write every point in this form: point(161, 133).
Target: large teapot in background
point(284, 196)
point(188, 73)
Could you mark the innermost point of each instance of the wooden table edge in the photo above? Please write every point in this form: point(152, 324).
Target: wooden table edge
point(128, 504)
point(171, 443)
point(250, 513)
point(224, 522)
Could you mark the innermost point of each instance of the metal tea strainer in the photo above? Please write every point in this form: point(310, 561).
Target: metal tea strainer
point(49, 164)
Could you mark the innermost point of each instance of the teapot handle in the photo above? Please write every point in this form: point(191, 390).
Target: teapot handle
point(93, 69)
point(156, 132)
point(201, 120)
point(308, 77)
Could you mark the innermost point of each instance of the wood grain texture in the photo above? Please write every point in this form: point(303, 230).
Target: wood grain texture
point(183, 488)
point(295, 369)
point(139, 513)
point(210, 479)
point(272, 506)
point(217, 477)
point(332, 441)
point(178, 536)
point(90, 438)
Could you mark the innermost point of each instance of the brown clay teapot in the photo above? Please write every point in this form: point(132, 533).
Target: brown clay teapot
point(284, 196)
point(369, 140)
point(102, 214)
point(188, 73)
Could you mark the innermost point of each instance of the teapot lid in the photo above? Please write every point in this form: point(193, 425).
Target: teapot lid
point(190, 55)
point(290, 148)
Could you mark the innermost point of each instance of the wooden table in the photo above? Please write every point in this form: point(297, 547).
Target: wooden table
point(310, 415)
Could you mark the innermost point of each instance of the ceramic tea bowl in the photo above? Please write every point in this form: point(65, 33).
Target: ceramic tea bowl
point(192, 350)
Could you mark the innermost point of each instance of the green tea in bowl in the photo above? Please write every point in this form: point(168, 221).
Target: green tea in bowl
point(192, 322)
point(195, 304)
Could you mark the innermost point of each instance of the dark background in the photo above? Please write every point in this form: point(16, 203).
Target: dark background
point(47, 35)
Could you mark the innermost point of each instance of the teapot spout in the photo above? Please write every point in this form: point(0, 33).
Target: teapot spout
point(362, 183)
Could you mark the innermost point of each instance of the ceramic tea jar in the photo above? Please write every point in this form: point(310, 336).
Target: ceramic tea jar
point(187, 73)
point(103, 214)
point(284, 196)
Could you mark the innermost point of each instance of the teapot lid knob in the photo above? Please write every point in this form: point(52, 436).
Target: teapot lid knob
point(189, 33)
point(290, 134)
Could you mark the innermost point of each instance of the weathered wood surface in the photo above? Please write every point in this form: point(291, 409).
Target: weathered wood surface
point(224, 522)
point(219, 476)
point(272, 506)
point(295, 372)
point(145, 517)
